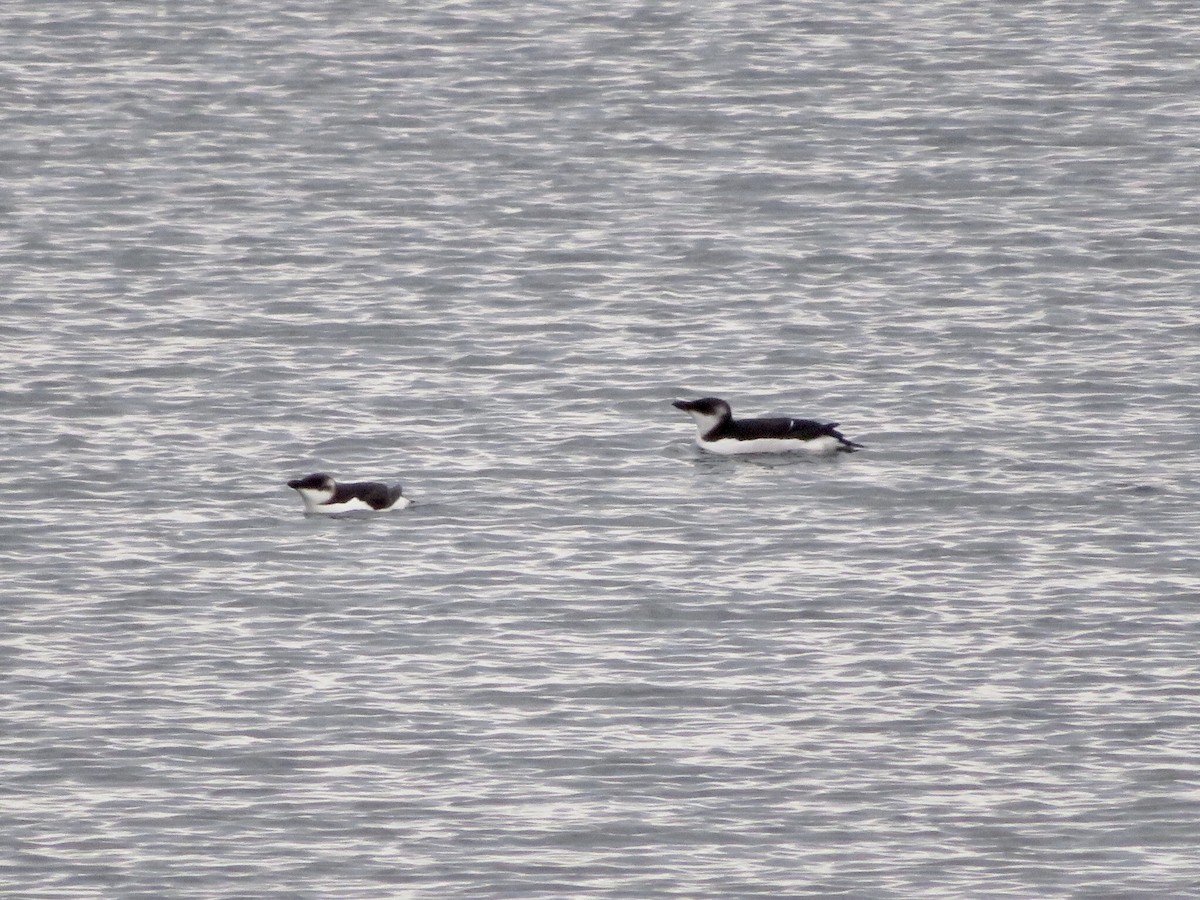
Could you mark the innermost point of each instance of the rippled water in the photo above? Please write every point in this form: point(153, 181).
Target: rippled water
point(479, 249)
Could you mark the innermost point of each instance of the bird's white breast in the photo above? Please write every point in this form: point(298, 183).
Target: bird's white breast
point(820, 446)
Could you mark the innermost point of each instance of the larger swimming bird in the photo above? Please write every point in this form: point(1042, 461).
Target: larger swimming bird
point(719, 432)
point(324, 496)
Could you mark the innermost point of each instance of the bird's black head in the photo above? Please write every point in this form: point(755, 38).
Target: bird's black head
point(705, 408)
point(318, 481)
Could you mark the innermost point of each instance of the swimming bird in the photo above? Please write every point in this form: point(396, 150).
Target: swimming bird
point(324, 496)
point(719, 432)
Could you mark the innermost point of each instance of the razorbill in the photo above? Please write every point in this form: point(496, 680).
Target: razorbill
point(324, 496)
point(718, 431)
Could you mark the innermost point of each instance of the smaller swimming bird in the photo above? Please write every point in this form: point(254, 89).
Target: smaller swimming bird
point(719, 432)
point(324, 496)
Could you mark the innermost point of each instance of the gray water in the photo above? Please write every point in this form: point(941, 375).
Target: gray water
point(478, 248)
